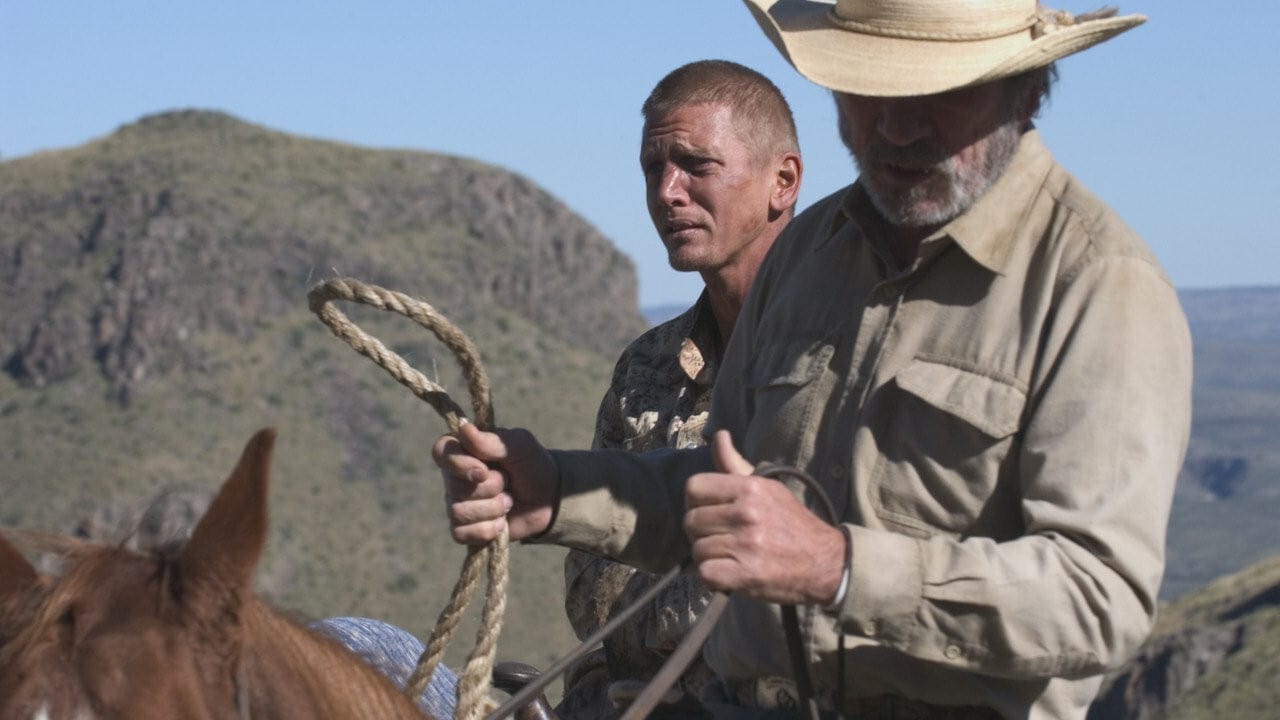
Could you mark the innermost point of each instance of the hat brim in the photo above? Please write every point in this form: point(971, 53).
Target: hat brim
point(879, 66)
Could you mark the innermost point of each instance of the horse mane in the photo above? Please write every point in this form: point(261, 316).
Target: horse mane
point(337, 681)
point(50, 596)
point(47, 606)
point(22, 590)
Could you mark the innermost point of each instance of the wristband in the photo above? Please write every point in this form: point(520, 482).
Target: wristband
point(843, 589)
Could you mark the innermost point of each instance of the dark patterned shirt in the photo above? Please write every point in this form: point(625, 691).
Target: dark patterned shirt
point(659, 396)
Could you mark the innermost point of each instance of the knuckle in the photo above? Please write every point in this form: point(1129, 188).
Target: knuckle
point(472, 534)
point(690, 522)
point(455, 516)
point(751, 539)
point(754, 487)
point(708, 576)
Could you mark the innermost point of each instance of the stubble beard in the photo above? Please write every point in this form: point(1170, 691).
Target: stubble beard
point(685, 256)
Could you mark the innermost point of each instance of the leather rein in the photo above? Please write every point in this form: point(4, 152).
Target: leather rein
point(691, 644)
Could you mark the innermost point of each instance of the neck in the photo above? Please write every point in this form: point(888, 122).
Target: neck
point(900, 242)
point(904, 242)
point(727, 285)
point(298, 674)
point(726, 303)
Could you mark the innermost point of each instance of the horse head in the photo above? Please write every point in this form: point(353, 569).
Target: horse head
point(176, 634)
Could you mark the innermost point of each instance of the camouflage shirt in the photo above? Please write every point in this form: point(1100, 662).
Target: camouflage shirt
point(659, 396)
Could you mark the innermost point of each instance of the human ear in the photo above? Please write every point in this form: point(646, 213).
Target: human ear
point(786, 187)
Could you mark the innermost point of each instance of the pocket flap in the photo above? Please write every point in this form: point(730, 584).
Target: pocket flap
point(789, 364)
point(989, 404)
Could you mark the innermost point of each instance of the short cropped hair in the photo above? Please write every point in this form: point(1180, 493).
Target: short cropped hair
point(761, 115)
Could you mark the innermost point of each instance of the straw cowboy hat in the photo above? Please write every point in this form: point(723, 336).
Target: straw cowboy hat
point(895, 48)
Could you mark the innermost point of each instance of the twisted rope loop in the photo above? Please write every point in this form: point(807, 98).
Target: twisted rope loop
point(473, 683)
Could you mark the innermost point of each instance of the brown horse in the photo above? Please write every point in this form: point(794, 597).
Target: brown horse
point(177, 636)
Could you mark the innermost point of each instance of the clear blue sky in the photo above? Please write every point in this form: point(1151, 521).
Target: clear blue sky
point(1174, 123)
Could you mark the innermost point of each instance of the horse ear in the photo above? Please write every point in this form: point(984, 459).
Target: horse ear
point(228, 540)
point(17, 576)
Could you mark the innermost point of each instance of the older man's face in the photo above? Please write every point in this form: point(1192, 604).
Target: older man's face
point(925, 160)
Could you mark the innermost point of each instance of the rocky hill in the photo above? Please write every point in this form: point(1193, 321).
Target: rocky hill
point(195, 222)
point(1214, 654)
point(153, 314)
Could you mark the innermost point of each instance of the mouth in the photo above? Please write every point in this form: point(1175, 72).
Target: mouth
point(905, 174)
point(675, 228)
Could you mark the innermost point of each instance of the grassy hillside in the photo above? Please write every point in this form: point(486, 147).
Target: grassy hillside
point(1213, 654)
point(1247, 606)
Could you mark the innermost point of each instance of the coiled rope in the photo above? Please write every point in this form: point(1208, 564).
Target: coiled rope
point(473, 683)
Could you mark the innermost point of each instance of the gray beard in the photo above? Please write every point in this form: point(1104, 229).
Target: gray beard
point(965, 184)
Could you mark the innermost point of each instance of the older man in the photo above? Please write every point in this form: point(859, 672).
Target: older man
point(722, 170)
point(981, 365)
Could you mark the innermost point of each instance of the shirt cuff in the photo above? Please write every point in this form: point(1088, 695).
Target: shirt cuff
point(580, 503)
point(886, 579)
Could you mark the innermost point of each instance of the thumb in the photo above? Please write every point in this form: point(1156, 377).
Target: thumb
point(726, 456)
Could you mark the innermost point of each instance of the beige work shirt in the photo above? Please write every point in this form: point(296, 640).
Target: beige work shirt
point(1001, 425)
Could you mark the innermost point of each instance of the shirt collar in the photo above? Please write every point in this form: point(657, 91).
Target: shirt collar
point(699, 354)
point(987, 231)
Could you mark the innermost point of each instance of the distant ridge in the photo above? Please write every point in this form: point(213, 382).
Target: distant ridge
point(1234, 314)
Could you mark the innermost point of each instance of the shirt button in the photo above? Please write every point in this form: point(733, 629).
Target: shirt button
point(952, 652)
point(837, 471)
point(870, 629)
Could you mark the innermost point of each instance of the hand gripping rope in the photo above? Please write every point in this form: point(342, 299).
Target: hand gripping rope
point(688, 648)
point(473, 682)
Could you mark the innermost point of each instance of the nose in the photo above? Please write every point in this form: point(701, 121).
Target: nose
point(902, 121)
point(670, 189)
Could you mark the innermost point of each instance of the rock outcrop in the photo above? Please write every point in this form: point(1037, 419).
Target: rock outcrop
point(184, 223)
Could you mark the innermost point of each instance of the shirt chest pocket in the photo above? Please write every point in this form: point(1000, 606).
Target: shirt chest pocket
point(946, 436)
point(783, 380)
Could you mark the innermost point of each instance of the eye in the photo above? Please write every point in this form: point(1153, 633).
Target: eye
point(701, 167)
